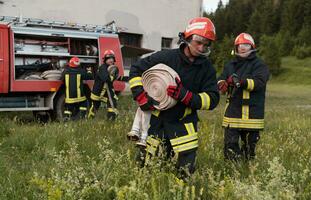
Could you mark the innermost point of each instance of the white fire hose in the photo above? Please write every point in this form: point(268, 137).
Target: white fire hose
point(155, 82)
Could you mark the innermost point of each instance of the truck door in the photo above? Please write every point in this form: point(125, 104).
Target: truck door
point(4, 58)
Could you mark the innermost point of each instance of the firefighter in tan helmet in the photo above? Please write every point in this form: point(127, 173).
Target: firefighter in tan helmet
point(75, 100)
point(103, 86)
point(175, 129)
point(244, 81)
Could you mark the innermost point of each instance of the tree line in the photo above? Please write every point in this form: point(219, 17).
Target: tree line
point(279, 27)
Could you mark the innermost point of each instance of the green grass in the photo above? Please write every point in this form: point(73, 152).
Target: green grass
point(92, 159)
point(294, 71)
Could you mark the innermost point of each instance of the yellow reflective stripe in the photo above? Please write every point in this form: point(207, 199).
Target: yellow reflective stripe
point(67, 112)
point(78, 85)
point(151, 150)
point(188, 111)
point(239, 125)
point(242, 120)
point(103, 92)
point(184, 139)
point(245, 111)
point(67, 84)
point(152, 141)
point(243, 123)
point(115, 97)
point(227, 104)
point(155, 113)
point(245, 108)
point(112, 110)
point(250, 84)
point(91, 112)
point(136, 81)
point(245, 94)
point(190, 128)
point(74, 100)
point(205, 99)
point(82, 108)
point(185, 147)
point(95, 97)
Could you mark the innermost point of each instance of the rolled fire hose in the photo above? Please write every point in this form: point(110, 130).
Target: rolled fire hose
point(51, 75)
point(155, 82)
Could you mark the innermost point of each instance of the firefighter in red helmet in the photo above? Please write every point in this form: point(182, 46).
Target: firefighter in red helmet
point(103, 86)
point(75, 100)
point(176, 128)
point(244, 81)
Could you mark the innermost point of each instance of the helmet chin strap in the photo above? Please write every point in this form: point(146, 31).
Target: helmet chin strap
point(182, 39)
point(206, 54)
point(245, 54)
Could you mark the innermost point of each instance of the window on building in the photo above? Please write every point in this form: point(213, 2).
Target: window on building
point(130, 39)
point(166, 43)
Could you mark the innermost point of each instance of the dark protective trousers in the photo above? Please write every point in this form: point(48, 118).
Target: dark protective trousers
point(111, 112)
point(75, 111)
point(174, 140)
point(232, 148)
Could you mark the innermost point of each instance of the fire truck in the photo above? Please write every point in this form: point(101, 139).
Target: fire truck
point(33, 53)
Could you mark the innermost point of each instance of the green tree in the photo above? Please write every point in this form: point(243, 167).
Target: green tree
point(270, 53)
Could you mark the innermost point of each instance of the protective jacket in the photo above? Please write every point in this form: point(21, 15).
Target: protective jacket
point(177, 126)
point(73, 78)
point(99, 89)
point(199, 77)
point(245, 105)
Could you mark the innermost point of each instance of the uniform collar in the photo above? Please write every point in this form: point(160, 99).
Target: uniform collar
point(250, 57)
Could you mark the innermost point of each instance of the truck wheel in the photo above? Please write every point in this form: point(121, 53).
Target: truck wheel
point(42, 116)
point(59, 106)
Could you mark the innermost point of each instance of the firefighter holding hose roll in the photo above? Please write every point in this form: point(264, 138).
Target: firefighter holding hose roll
point(103, 86)
point(175, 129)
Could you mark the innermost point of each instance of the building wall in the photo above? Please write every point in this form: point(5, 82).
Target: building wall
point(152, 18)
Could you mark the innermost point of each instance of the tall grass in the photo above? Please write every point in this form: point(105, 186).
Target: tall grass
point(92, 159)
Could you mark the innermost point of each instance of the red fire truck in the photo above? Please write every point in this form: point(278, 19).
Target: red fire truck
point(33, 53)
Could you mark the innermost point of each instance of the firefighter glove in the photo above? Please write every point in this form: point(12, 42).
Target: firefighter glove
point(222, 86)
point(179, 93)
point(146, 102)
point(234, 81)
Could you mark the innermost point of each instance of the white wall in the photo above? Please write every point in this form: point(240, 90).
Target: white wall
point(152, 18)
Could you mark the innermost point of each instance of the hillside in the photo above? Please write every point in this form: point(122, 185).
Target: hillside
point(294, 71)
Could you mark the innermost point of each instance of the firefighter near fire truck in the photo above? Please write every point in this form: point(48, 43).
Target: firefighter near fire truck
point(103, 86)
point(244, 81)
point(75, 100)
point(175, 129)
point(34, 53)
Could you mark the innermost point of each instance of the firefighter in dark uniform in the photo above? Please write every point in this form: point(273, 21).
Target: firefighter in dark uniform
point(244, 81)
point(103, 86)
point(75, 101)
point(175, 129)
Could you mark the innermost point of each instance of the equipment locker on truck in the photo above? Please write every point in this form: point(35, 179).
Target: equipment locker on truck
point(33, 54)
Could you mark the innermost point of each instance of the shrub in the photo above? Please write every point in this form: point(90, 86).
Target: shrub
point(302, 52)
point(270, 53)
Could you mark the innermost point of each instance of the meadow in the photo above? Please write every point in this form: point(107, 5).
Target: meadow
point(92, 159)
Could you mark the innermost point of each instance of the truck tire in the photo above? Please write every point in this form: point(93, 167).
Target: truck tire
point(59, 106)
point(42, 116)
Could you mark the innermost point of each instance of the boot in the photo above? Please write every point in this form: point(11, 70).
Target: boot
point(141, 143)
point(133, 135)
